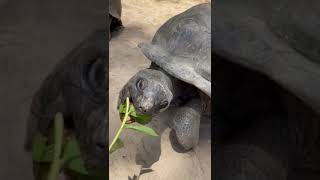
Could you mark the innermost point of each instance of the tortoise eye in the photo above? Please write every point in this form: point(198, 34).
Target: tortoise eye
point(140, 84)
point(164, 104)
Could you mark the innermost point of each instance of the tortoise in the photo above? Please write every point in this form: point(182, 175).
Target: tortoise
point(114, 20)
point(267, 84)
point(179, 74)
point(76, 87)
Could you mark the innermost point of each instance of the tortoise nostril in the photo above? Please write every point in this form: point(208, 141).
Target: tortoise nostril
point(142, 109)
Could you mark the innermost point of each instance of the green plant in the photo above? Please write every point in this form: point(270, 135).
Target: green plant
point(140, 120)
point(64, 152)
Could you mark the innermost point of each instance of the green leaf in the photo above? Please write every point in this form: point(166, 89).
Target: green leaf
point(48, 154)
point(41, 152)
point(71, 149)
point(141, 128)
point(38, 147)
point(77, 165)
point(72, 156)
point(139, 118)
point(118, 144)
point(132, 111)
point(122, 108)
point(142, 119)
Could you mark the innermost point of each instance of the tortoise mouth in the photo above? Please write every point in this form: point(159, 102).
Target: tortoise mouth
point(134, 115)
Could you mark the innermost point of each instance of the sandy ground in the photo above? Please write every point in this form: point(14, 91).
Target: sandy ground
point(34, 36)
point(141, 19)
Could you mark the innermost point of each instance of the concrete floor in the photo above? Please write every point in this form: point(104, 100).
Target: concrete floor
point(141, 19)
point(34, 35)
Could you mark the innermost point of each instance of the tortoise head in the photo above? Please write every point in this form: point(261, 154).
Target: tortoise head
point(77, 89)
point(150, 91)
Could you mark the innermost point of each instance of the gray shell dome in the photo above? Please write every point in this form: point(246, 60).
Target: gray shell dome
point(182, 47)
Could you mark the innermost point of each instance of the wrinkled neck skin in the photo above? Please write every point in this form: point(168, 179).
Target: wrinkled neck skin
point(182, 92)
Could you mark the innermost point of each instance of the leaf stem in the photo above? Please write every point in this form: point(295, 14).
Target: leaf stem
point(122, 125)
point(58, 133)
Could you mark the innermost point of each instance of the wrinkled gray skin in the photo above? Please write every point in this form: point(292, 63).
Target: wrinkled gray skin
point(153, 91)
point(76, 87)
point(175, 81)
point(267, 84)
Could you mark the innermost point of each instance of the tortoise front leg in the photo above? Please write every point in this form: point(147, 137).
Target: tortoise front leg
point(186, 124)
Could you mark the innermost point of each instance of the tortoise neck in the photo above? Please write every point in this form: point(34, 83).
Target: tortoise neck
point(182, 92)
